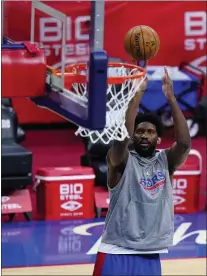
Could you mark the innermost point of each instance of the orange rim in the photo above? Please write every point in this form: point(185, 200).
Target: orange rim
point(77, 78)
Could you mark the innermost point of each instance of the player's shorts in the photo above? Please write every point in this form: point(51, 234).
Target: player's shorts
point(126, 264)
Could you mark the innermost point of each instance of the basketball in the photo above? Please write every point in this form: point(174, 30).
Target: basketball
point(141, 43)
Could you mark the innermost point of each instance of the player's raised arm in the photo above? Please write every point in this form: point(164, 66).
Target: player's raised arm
point(118, 153)
point(179, 151)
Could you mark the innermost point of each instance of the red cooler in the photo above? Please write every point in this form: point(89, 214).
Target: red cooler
point(65, 193)
point(186, 183)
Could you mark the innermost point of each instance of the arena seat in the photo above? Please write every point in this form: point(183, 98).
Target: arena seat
point(197, 124)
point(95, 157)
point(20, 137)
point(16, 160)
point(201, 115)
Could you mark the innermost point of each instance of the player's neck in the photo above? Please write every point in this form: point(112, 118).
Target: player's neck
point(146, 156)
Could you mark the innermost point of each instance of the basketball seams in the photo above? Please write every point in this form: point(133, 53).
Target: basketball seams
point(154, 38)
point(143, 43)
point(144, 50)
point(131, 44)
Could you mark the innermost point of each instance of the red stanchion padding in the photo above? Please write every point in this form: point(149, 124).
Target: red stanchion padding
point(186, 185)
point(65, 193)
point(23, 71)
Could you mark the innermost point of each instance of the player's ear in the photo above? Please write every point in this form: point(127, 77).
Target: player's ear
point(159, 140)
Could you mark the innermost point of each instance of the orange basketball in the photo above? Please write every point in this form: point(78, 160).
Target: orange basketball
point(141, 43)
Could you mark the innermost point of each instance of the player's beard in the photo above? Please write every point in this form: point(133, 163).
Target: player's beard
point(145, 151)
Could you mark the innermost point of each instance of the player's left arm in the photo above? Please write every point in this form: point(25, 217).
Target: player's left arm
point(178, 152)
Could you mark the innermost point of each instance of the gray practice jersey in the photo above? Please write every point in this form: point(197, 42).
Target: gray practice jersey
point(141, 211)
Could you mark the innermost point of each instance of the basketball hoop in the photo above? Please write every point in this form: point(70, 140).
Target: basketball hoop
point(124, 81)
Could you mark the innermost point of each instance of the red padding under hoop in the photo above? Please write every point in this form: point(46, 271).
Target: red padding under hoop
point(23, 71)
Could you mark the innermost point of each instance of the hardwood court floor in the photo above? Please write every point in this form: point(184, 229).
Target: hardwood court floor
point(169, 267)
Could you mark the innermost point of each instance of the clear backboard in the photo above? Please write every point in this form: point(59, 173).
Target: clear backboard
point(89, 111)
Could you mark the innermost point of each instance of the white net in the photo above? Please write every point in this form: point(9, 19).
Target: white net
point(118, 99)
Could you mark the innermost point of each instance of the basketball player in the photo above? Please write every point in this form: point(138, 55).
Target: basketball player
point(139, 224)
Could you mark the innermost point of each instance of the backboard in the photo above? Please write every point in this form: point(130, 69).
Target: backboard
point(89, 112)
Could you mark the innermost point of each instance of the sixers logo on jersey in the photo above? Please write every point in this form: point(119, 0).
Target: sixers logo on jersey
point(153, 184)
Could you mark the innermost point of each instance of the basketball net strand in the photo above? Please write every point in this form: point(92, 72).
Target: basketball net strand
point(118, 99)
